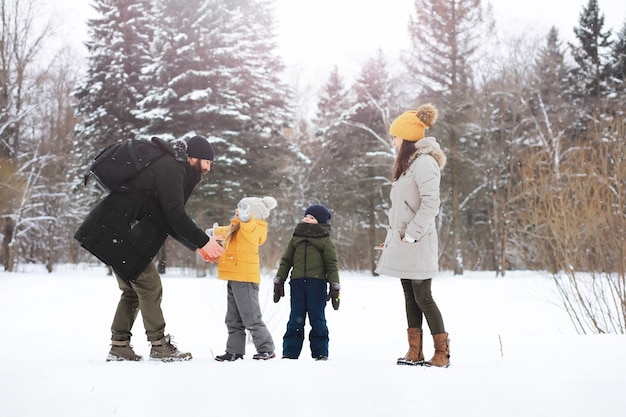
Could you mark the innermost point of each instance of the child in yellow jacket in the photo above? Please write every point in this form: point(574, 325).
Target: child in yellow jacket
point(240, 266)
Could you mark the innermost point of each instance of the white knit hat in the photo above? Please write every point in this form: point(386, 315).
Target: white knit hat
point(260, 207)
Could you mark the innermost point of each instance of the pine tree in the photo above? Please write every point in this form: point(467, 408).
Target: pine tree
point(118, 51)
point(618, 71)
point(186, 75)
point(333, 153)
point(589, 77)
point(549, 108)
point(335, 107)
point(257, 68)
point(255, 77)
point(551, 70)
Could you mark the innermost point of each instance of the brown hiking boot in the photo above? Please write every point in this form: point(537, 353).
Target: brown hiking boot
point(122, 351)
point(166, 351)
point(415, 355)
point(442, 351)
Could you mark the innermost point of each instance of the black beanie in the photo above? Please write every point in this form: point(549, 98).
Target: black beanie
point(321, 213)
point(199, 147)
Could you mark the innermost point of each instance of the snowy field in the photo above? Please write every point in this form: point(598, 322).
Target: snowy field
point(514, 353)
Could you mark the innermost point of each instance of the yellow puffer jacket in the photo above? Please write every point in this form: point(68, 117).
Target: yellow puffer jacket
point(240, 261)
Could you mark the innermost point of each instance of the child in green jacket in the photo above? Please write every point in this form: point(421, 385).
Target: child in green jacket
point(312, 259)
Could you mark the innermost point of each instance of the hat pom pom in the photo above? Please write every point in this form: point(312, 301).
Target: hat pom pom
point(427, 113)
point(270, 202)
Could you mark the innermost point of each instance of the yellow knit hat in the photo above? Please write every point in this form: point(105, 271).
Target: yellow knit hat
point(412, 124)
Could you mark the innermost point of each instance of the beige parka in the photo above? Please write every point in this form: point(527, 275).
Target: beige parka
point(415, 204)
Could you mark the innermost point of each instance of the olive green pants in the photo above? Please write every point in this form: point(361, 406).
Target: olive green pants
point(143, 295)
point(419, 303)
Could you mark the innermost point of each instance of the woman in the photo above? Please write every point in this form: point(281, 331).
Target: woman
point(410, 251)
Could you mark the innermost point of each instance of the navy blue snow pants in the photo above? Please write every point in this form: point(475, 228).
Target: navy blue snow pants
point(308, 296)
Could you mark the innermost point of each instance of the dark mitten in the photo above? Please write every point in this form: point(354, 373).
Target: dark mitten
point(333, 294)
point(279, 289)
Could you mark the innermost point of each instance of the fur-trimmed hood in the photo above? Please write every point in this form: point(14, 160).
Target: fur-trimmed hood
point(429, 146)
point(176, 148)
point(180, 150)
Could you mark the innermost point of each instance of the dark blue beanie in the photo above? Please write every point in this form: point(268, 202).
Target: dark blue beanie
point(199, 147)
point(321, 213)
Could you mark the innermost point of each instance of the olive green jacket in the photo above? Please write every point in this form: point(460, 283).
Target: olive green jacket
point(310, 253)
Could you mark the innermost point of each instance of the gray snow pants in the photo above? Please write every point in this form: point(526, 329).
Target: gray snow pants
point(244, 312)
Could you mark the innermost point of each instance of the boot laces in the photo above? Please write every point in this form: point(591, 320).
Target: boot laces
point(169, 343)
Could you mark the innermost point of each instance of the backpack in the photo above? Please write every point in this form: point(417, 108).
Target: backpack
point(117, 164)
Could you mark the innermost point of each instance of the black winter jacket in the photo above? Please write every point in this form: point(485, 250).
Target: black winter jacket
point(127, 229)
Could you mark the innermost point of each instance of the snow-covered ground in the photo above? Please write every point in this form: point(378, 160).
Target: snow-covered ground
point(514, 353)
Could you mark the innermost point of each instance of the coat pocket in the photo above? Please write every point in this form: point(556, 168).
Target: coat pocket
point(418, 260)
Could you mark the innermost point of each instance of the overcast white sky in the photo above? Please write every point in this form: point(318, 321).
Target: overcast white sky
point(322, 33)
point(316, 35)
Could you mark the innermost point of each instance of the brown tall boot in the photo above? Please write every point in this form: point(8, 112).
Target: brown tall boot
point(415, 355)
point(442, 351)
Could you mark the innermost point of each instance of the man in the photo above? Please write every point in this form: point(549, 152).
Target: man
point(127, 229)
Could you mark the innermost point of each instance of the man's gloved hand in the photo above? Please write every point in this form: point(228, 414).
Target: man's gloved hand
point(333, 294)
point(279, 289)
point(244, 211)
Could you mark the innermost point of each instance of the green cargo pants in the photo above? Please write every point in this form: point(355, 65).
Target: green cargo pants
point(145, 295)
